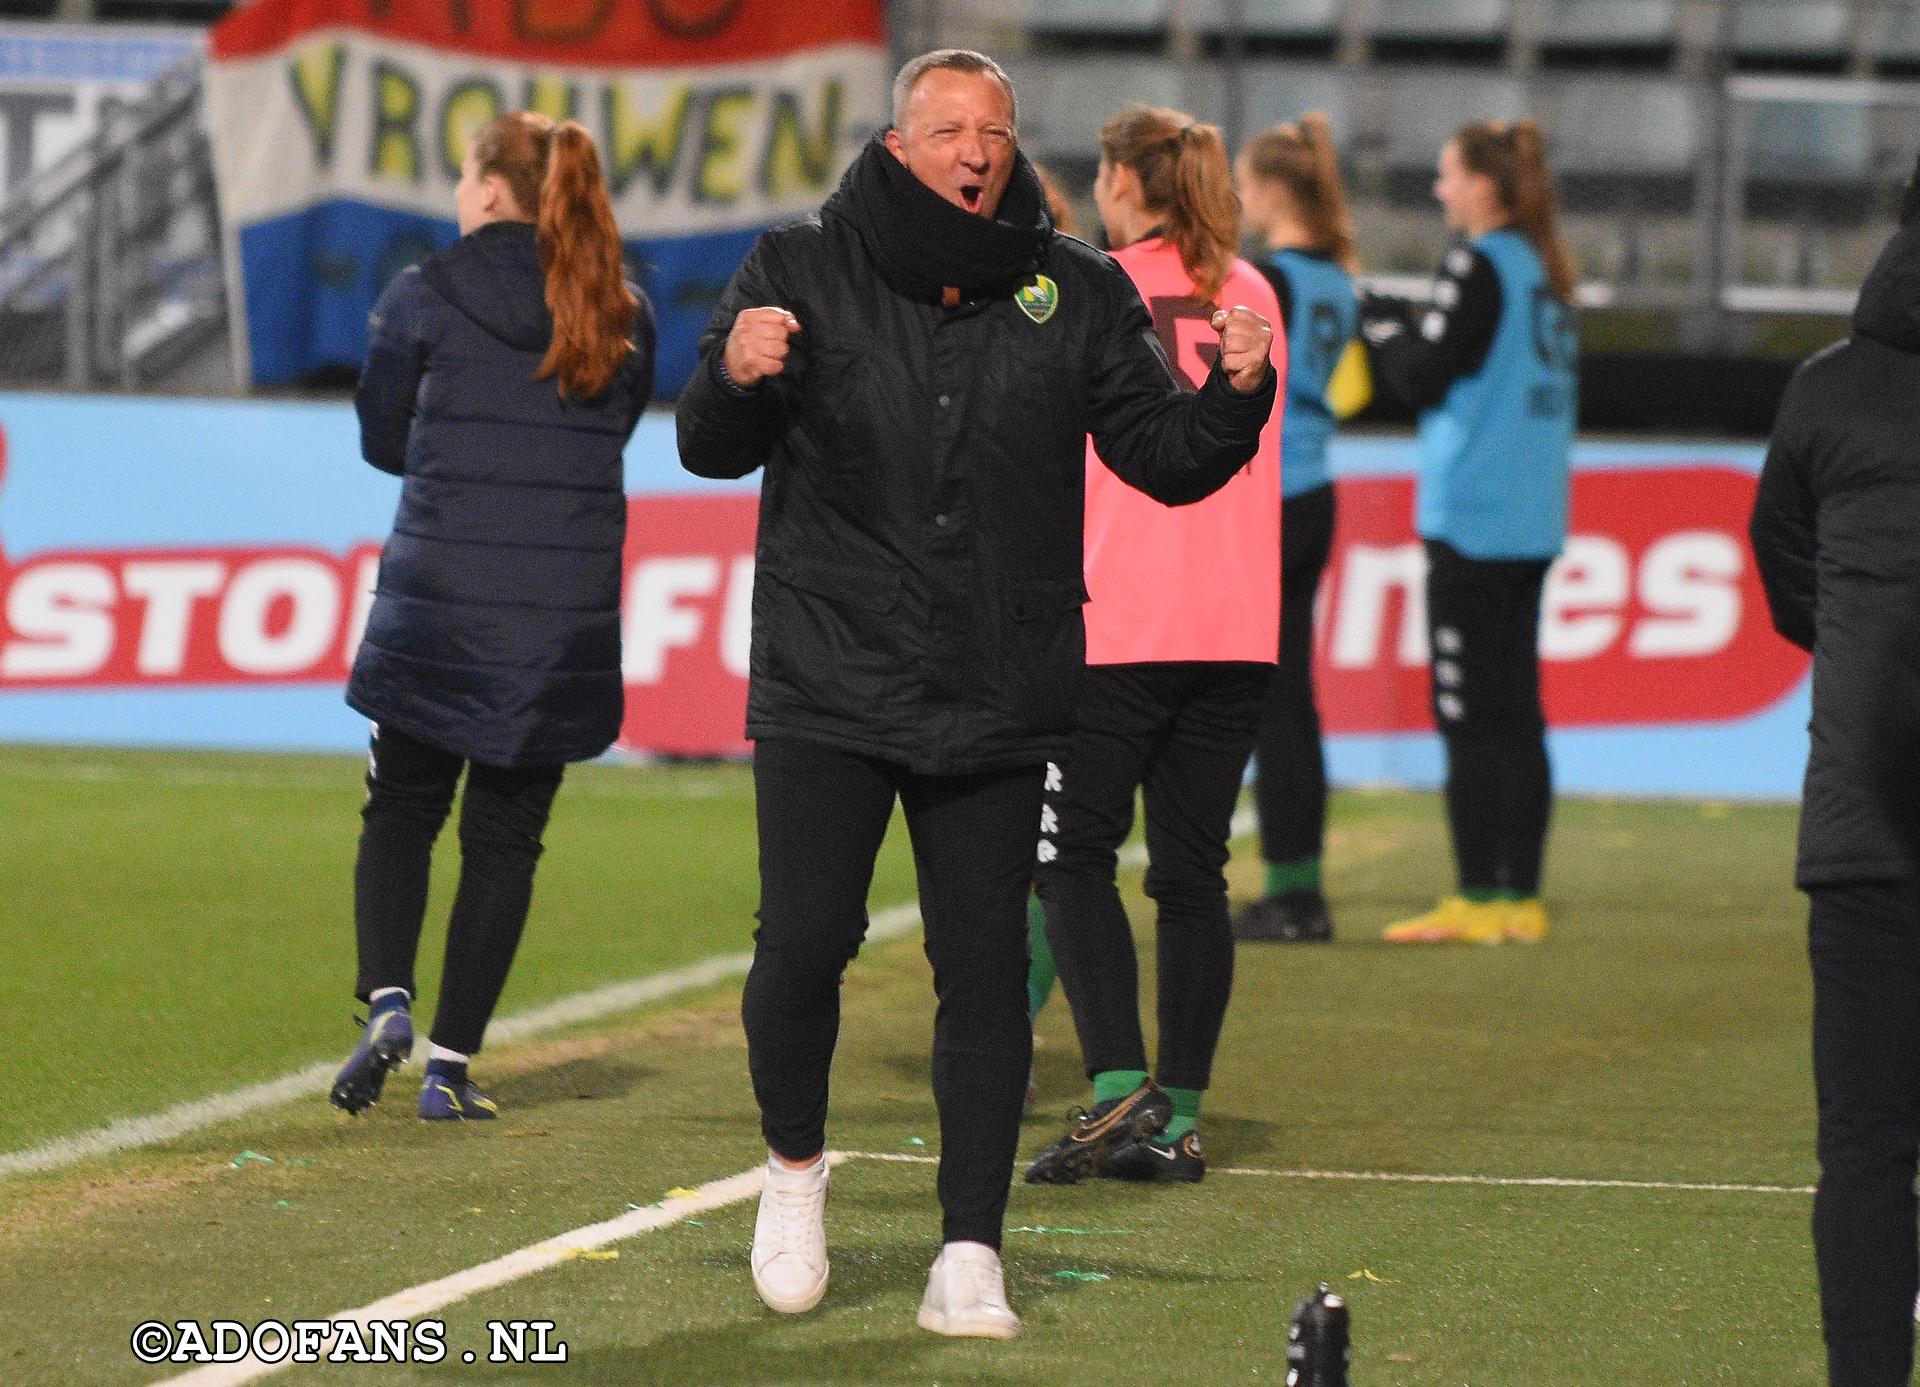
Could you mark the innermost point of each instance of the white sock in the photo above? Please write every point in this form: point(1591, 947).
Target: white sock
point(380, 992)
point(779, 1163)
point(441, 1052)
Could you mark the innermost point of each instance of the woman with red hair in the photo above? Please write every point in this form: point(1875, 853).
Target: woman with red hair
point(503, 378)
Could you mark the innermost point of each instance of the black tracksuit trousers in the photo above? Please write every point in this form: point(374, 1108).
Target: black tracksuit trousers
point(1864, 941)
point(1483, 622)
point(1290, 768)
point(1180, 734)
point(410, 789)
point(822, 814)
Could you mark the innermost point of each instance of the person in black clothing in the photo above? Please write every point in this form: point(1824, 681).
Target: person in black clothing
point(1836, 532)
point(918, 367)
point(504, 376)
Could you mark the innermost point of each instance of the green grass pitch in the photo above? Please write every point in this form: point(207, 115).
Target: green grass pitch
point(179, 925)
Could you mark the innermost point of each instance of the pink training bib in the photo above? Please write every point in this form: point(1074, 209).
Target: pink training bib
point(1199, 582)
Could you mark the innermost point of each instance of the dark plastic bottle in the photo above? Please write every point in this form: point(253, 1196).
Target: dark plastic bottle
point(1318, 1344)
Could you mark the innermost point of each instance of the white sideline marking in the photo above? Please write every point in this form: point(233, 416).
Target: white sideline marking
point(1416, 1178)
point(127, 1133)
point(1564, 1182)
point(418, 1301)
point(435, 1295)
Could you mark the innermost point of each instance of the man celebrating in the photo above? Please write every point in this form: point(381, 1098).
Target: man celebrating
point(918, 367)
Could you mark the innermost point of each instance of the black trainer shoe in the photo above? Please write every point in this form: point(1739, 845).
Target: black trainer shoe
point(1292, 917)
point(455, 1098)
point(1097, 1131)
point(1180, 1162)
point(386, 1043)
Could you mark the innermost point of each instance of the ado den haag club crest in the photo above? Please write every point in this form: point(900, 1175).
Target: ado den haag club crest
point(1037, 298)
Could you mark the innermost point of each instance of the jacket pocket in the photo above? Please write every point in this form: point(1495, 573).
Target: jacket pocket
point(875, 590)
point(826, 642)
point(1044, 650)
point(836, 416)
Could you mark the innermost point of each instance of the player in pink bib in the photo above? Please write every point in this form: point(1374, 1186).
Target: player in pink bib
point(1182, 636)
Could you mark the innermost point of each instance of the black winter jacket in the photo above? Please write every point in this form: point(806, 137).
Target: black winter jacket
point(918, 589)
point(495, 633)
point(1836, 531)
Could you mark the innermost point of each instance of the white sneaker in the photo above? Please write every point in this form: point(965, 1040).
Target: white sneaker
point(790, 1237)
point(967, 1295)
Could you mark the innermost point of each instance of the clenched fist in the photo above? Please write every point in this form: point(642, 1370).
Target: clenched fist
point(1246, 343)
point(757, 345)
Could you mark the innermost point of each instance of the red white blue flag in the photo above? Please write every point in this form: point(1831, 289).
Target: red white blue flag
point(339, 127)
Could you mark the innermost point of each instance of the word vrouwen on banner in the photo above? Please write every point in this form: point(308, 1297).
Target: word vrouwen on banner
point(339, 129)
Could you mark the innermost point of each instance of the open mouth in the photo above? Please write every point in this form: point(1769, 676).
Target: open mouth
point(970, 196)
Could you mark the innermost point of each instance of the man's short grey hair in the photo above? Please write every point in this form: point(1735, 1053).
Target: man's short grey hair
point(954, 60)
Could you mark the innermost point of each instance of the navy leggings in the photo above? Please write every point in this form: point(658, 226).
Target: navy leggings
point(410, 789)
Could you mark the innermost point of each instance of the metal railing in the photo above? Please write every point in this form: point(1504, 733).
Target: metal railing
point(110, 264)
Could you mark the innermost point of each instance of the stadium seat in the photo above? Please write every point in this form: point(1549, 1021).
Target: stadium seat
point(1118, 17)
point(1064, 100)
point(1442, 21)
point(1298, 20)
point(1622, 127)
point(1897, 39)
point(1809, 144)
point(1599, 25)
point(1279, 92)
point(1793, 31)
point(1427, 105)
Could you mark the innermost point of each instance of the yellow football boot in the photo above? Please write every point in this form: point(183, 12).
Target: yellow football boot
point(1456, 920)
point(1527, 920)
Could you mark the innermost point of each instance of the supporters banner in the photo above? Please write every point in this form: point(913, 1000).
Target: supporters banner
point(177, 572)
point(339, 127)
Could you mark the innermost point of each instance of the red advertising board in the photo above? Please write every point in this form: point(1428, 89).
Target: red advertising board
point(1654, 614)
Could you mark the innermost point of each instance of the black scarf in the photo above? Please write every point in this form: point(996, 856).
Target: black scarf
point(923, 244)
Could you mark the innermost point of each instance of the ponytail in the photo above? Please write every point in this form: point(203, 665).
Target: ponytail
point(553, 172)
point(1301, 156)
point(587, 293)
point(1186, 179)
point(1514, 155)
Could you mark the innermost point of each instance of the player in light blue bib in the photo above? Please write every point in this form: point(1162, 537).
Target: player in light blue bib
point(1293, 202)
point(1491, 366)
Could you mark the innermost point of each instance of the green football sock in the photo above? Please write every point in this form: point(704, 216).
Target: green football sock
point(1109, 1084)
point(1040, 970)
point(1303, 875)
point(1482, 895)
point(1186, 1113)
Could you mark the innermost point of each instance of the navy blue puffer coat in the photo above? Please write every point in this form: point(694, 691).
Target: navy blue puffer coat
point(495, 632)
